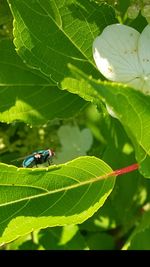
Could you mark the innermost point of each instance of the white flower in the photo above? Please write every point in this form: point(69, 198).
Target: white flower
point(122, 54)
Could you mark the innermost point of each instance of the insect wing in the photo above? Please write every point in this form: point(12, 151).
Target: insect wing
point(20, 158)
point(29, 162)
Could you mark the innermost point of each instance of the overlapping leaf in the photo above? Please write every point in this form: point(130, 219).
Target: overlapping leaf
point(32, 199)
point(29, 96)
point(129, 106)
point(64, 35)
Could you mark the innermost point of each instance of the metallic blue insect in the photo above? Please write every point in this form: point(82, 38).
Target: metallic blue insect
point(38, 157)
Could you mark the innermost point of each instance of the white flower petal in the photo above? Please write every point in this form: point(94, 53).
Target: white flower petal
point(136, 83)
point(115, 53)
point(146, 87)
point(144, 50)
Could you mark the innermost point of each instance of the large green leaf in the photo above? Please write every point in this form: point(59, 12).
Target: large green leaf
point(29, 96)
point(131, 107)
point(65, 32)
point(32, 199)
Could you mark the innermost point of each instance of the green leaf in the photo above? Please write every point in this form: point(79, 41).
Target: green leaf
point(74, 142)
point(129, 106)
point(121, 209)
point(23, 243)
point(100, 241)
point(62, 238)
point(139, 238)
point(5, 14)
point(141, 241)
point(132, 109)
point(33, 199)
point(65, 35)
point(122, 6)
point(29, 96)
